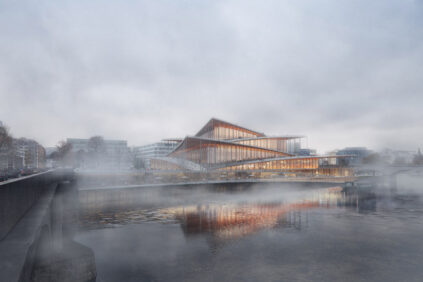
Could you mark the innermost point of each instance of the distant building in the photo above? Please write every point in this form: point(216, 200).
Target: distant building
point(111, 146)
point(333, 153)
point(115, 154)
point(4, 159)
point(398, 157)
point(4, 154)
point(307, 152)
point(50, 150)
point(144, 154)
point(355, 154)
point(27, 153)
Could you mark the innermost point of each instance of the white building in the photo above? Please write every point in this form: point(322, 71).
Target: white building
point(158, 149)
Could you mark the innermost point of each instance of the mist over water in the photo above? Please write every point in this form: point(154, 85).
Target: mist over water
point(128, 103)
point(256, 233)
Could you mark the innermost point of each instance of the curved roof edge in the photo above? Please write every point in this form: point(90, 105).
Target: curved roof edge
point(286, 137)
point(213, 120)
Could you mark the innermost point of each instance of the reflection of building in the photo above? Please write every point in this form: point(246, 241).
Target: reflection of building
point(222, 146)
point(237, 220)
point(158, 149)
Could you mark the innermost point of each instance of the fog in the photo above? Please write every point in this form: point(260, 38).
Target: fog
point(99, 78)
point(344, 73)
point(350, 235)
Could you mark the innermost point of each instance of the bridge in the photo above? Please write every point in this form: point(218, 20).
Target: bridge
point(288, 180)
point(389, 170)
point(387, 174)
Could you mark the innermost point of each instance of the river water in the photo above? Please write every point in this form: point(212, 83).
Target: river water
point(255, 233)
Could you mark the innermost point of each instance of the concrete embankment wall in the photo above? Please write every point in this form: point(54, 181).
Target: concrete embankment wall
point(38, 218)
point(19, 195)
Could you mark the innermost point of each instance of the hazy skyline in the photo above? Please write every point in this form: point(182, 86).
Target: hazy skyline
point(343, 73)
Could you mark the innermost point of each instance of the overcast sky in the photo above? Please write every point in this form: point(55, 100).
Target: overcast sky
point(344, 73)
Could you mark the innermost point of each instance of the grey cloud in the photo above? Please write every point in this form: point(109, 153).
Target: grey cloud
point(148, 70)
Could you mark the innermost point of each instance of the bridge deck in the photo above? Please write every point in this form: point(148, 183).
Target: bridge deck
point(305, 181)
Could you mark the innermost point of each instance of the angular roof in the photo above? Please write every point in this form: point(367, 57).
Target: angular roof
point(214, 122)
point(190, 141)
point(266, 137)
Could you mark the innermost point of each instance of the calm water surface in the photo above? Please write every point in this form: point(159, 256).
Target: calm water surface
point(255, 233)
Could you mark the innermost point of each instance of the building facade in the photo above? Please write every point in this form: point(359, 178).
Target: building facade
point(29, 153)
point(24, 153)
point(354, 155)
point(110, 154)
point(223, 146)
point(143, 154)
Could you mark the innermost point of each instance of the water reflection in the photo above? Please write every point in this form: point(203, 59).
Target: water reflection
point(257, 234)
point(238, 220)
point(223, 219)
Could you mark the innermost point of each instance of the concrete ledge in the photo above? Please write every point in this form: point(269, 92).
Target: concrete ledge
point(18, 249)
point(17, 196)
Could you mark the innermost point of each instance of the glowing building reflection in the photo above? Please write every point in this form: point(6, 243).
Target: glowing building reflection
point(237, 220)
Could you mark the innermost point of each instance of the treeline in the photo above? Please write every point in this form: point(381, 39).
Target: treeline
point(19, 152)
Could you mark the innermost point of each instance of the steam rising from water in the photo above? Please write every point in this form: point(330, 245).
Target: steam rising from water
point(259, 233)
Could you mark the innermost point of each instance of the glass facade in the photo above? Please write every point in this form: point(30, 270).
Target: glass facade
point(289, 164)
point(288, 145)
point(209, 152)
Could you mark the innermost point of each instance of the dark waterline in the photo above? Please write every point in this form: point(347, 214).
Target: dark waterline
point(260, 233)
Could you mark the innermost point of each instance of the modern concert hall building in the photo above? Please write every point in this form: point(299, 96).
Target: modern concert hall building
point(221, 146)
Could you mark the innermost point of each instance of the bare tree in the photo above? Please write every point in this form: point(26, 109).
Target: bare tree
point(63, 152)
point(63, 148)
point(6, 147)
point(6, 140)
